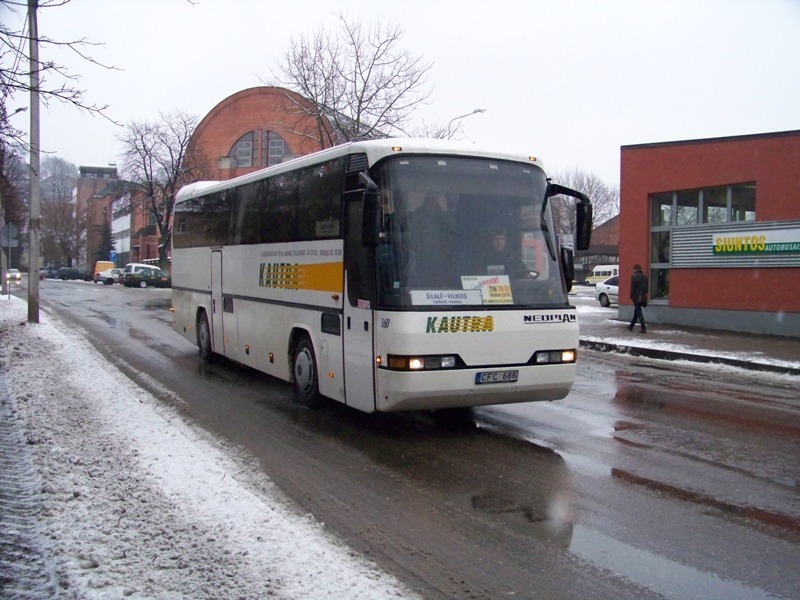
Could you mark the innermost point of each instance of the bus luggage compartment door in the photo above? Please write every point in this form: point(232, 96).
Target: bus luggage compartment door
point(217, 312)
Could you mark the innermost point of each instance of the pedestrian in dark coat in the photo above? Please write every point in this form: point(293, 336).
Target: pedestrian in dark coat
point(639, 289)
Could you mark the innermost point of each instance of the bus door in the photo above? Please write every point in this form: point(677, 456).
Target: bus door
point(217, 326)
point(358, 326)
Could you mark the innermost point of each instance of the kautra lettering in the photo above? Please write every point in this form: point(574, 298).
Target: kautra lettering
point(459, 324)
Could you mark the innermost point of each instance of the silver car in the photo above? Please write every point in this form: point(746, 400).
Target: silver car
point(607, 292)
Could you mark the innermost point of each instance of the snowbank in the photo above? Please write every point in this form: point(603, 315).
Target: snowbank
point(136, 503)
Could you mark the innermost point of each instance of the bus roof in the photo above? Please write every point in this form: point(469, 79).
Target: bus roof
point(374, 149)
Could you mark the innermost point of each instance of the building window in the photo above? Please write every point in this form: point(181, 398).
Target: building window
point(685, 208)
point(242, 150)
point(743, 202)
point(273, 149)
point(259, 148)
point(715, 205)
point(661, 210)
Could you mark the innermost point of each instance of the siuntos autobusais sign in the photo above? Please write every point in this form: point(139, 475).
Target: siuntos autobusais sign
point(784, 241)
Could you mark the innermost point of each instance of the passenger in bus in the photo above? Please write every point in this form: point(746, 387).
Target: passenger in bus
point(432, 243)
point(498, 259)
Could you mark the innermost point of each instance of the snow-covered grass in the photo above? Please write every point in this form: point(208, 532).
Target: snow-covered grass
point(136, 503)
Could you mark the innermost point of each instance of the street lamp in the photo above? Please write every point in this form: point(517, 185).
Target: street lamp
point(11, 114)
point(474, 112)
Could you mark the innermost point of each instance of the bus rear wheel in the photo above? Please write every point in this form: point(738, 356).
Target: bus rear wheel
point(306, 382)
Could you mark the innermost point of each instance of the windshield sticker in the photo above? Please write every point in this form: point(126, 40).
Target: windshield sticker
point(445, 297)
point(495, 289)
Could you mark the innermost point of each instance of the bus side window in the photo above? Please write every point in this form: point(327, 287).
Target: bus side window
point(280, 225)
point(250, 214)
point(319, 206)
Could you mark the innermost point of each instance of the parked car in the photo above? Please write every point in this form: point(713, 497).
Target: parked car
point(65, 273)
point(13, 275)
point(108, 277)
point(132, 268)
point(145, 276)
point(607, 292)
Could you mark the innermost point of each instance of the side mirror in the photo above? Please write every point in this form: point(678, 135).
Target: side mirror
point(371, 212)
point(583, 213)
point(568, 266)
point(371, 219)
point(583, 233)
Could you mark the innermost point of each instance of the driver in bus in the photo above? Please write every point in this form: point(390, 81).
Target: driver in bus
point(498, 259)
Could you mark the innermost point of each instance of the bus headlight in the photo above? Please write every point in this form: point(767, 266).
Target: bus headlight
point(554, 357)
point(421, 363)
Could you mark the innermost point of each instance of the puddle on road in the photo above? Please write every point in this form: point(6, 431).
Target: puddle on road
point(662, 575)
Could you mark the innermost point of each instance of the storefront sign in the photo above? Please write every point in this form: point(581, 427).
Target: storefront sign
point(764, 242)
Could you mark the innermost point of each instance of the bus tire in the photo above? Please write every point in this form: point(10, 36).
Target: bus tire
point(304, 367)
point(204, 339)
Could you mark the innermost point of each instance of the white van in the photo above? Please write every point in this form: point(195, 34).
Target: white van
point(602, 272)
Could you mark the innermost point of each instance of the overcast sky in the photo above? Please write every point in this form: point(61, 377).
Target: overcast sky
point(567, 80)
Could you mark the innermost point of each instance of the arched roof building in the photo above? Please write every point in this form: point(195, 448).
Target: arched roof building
point(253, 129)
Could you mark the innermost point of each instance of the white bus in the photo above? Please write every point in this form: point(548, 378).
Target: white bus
point(357, 273)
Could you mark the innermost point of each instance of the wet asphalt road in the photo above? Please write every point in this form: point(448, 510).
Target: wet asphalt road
point(650, 480)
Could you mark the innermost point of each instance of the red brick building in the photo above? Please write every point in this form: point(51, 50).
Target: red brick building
point(716, 225)
point(253, 129)
point(93, 200)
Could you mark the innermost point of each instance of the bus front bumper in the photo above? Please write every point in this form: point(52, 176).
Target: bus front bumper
point(404, 390)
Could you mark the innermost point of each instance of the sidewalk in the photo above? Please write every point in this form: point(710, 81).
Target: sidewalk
point(600, 330)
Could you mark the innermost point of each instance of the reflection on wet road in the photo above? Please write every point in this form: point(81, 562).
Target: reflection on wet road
point(685, 481)
point(666, 577)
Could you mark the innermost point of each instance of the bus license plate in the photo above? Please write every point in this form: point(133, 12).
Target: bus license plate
point(497, 376)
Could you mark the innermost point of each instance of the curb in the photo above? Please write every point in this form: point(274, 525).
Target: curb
point(688, 356)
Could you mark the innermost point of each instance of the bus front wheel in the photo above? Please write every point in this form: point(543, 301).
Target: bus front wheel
point(306, 384)
point(204, 338)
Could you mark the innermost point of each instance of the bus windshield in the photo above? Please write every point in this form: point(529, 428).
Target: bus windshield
point(464, 232)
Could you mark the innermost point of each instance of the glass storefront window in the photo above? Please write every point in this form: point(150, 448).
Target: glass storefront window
point(661, 210)
point(743, 202)
point(715, 205)
point(688, 208)
point(659, 247)
point(681, 208)
point(659, 283)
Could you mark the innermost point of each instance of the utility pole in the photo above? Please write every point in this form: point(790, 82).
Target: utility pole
point(33, 229)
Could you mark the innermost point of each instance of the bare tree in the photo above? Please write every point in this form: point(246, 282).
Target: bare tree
point(605, 199)
point(358, 83)
point(14, 173)
point(58, 177)
point(156, 158)
point(55, 80)
point(62, 232)
point(13, 187)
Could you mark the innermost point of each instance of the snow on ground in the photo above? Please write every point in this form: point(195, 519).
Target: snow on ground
point(137, 503)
